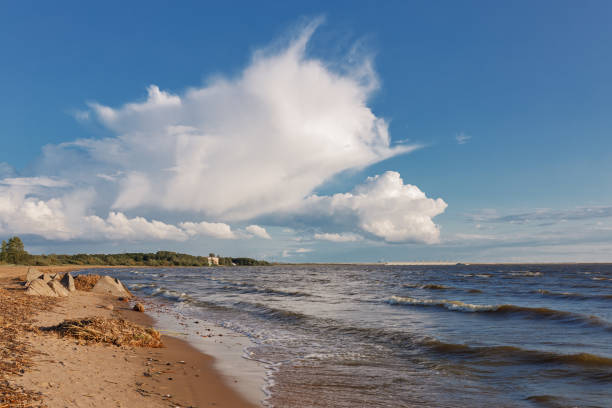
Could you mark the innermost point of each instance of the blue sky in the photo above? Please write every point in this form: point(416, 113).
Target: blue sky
point(507, 103)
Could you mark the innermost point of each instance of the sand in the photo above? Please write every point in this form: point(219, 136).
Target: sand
point(69, 374)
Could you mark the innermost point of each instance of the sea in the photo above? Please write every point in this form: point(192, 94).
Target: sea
point(406, 336)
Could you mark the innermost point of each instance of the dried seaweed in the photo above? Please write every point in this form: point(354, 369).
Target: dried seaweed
point(119, 332)
point(16, 310)
point(86, 282)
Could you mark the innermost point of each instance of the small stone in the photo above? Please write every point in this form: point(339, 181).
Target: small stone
point(138, 307)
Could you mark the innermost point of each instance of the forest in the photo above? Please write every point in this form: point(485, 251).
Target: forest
point(13, 252)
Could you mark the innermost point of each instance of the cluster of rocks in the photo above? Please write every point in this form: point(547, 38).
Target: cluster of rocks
point(57, 285)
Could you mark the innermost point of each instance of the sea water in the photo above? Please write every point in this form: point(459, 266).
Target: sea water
point(406, 336)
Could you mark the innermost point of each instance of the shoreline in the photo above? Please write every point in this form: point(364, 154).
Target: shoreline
point(66, 373)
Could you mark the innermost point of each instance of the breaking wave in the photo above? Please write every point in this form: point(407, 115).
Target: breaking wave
point(512, 355)
point(533, 312)
point(570, 295)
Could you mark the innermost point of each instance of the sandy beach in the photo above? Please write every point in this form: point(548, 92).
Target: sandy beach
point(64, 372)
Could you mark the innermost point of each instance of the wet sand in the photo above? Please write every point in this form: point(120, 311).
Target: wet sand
point(67, 373)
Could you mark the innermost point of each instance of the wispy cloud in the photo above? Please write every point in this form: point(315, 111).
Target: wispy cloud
point(335, 237)
point(543, 215)
point(462, 138)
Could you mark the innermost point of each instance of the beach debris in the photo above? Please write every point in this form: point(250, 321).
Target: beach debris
point(58, 288)
point(110, 286)
point(119, 332)
point(68, 282)
point(138, 307)
point(16, 311)
point(86, 282)
point(39, 287)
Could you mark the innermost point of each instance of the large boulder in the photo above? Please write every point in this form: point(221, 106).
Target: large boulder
point(39, 287)
point(58, 288)
point(68, 282)
point(33, 274)
point(110, 286)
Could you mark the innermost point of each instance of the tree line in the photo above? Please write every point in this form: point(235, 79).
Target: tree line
point(13, 252)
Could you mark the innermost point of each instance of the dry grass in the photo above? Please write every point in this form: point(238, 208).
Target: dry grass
point(86, 282)
point(16, 311)
point(114, 331)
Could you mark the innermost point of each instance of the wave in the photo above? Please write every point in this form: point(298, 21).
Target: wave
point(448, 304)
point(433, 286)
point(525, 273)
point(246, 287)
point(511, 355)
point(268, 312)
point(548, 401)
point(534, 312)
point(478, 275)
point(570, 295)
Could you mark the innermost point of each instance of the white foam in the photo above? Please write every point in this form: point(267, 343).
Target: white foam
point(448, 304)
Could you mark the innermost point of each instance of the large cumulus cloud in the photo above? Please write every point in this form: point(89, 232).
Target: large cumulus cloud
point(231, 151)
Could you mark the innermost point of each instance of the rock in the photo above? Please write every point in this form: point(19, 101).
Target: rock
point(46, 277)
point(58, 288)
point(54, 276)
point(138, 307)
point(110, 286)
point(68, 282)
point(39, 287)
point(33, 274)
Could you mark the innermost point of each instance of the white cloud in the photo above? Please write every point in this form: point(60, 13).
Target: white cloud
point(303, 250)
point(34, 182)
point(118, 226)
point(334, 237)
point(6, 170)
point(258, 231)
point(210, 229)
point(66, 217)
point(246, 146)
point(462, 138)
point(236, 150)
point(384, 207)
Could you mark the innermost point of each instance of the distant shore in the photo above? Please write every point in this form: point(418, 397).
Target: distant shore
point(66, 373)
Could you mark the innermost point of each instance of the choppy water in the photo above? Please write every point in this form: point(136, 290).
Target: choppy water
point(410, 336)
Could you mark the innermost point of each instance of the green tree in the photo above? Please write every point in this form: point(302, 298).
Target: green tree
point(13, 251)
point(3, 251)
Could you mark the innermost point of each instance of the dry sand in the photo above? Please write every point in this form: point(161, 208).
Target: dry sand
point(69, 374)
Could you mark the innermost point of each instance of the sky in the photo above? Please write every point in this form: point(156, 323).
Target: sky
point(346, 131)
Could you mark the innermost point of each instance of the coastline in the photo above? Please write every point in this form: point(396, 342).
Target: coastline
point(66, 373)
